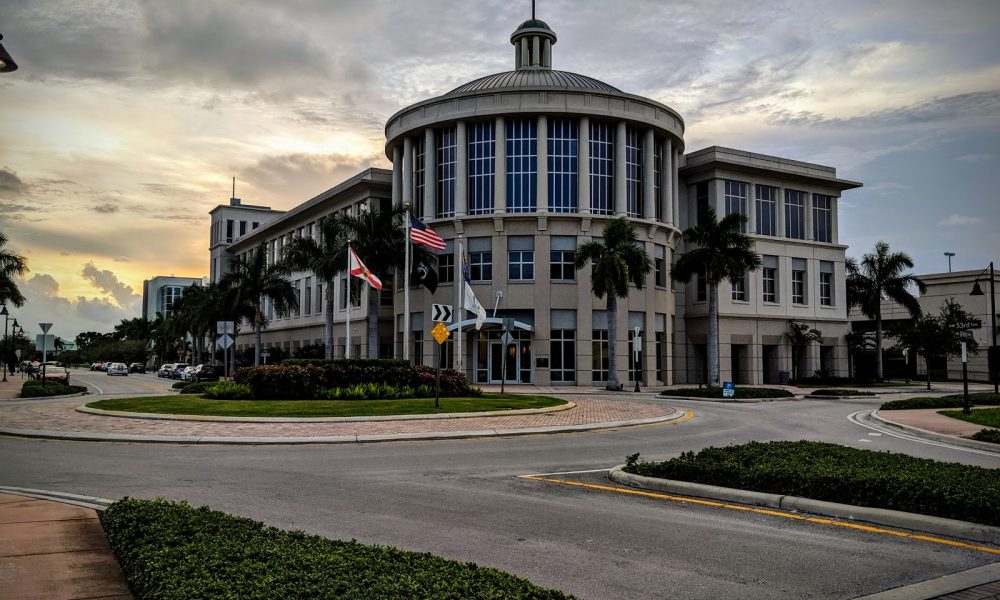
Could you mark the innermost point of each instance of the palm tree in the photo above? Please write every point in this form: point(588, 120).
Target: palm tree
point(326, 258)
point(877, 277)
point(11, 265)
point(801, 337)
point(197, 311)
point(722, 252)
point(249, 282)
point(857, 342)
point(618, 260)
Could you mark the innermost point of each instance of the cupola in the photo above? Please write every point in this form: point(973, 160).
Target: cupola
point(533, 42)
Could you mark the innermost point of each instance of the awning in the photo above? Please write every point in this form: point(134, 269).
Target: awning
point(495, 322)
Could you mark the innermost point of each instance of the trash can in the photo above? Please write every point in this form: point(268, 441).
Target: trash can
point(784, 377)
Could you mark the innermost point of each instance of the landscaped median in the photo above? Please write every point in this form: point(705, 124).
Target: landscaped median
point(741, 393)
point(811, 471)
point(990, 417)
point(37, 388)
point(170, 551)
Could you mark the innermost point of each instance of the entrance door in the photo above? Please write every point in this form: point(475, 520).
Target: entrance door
point(518, 354)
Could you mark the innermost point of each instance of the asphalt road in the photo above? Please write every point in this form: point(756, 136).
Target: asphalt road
point(463, 499)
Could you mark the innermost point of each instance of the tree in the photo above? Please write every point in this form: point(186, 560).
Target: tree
point(87, 339)
point(722, 252)
point(801, 336)
point(197, 311)
point(940, 335)
point(857, 342)
point(11, 266)
point(138, 328)
point(880, 276)
point(617, 260)
point(250, 281)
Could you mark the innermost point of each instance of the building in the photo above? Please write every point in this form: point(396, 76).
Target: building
point(520, 167)
point(161, 292)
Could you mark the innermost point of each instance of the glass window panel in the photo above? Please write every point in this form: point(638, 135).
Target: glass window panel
point(482, 162)
point(602, 154)
point(522, 165)
point(562, 165)
point(795, 214)
point(447, 158)
point(634, 140)
point(767, 223)
point(736, 200)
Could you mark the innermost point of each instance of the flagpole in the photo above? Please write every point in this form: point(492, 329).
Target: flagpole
point(406, 289)
point(460, 288)
point(347, 342)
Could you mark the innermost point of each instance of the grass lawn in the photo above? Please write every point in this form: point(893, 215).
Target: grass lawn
point(989, 417)
point(188, 405)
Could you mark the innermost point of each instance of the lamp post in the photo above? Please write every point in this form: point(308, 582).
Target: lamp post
point(993, 360)
point(949, 255)
point(6, 350)
point(15, 329)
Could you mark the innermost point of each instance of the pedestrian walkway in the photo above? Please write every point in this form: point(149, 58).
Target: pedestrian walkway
point(929, 419)
point(55, 551)
point(11, 388)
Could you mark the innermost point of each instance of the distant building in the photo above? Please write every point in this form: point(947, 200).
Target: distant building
point(161, 292)
point(231, 222)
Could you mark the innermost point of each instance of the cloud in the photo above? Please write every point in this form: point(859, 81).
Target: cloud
point(302, 175)
point(106, 208)
point(973, 104)
point(975, 158)
point(69, 315)
point(107, 282)
point(959, 221)
point(10, 183)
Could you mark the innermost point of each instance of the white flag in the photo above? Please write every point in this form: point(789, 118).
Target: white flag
point(472, 303)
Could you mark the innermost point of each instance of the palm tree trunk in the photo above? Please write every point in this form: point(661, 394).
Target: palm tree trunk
point(373, 322)
point(259, 323)
point(713, 334)
point(927, 363)
point(878, 347)
point(328, 326)
point(612, 342)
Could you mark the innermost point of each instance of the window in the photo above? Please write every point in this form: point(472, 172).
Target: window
point(561, 255)
point(767, 215)
point(600, 357)
point(522, 165)
point(562, 163)
point(320, 301)
point(355, 292)
point(307, 297)
point(769, 279)
point(417, 337)
point(480, 259)
point(256, 224)
point(446, 161)
point(229, 231)
point(520, 258)
point(799, 281)
point(563, 355)
point(243, 228)
point(419, 175)
point(170, 295)
point(482, 163)
point(446, 263)
point(660, 265)
point(657, 175)
point(633, 172)
point(795, 214)
point(701, 198)
point(701, 291)
point(740, 289)
point(736, 200)
point(602, 159)
point(822, 218)
point(825, 283)
point(309, 230)
point(661, 336)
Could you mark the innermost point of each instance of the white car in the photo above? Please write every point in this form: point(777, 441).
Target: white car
point(118, 369)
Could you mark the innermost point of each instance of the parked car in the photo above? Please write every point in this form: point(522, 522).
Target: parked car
point(97, 366)
point(166, 370)
point(187, 372)
point(137, 368)
point(205, 373)
point(178, 369)
point(54, 372)
point(117, 369)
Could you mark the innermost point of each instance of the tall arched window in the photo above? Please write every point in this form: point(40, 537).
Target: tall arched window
point(522, 165)
point(562, 162)
point(482, 154)
point(419, 177)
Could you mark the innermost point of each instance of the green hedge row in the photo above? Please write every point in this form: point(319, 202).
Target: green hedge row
point(950, 401)
point(987, 435)
point(840, 474)
point(170, 551)
point(840, 392)
point(36, 388)
point(741, 392)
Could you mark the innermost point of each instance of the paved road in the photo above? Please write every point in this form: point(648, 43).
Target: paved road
point(463, 499)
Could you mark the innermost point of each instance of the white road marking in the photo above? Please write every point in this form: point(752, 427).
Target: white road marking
point(865, 441)
point(875, 434)
point(855, 418)
point(566, 473)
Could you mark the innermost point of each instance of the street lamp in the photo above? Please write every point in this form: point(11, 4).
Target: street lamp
point(993, 360)
point(7, 63)
point(6, 353)
point(949, 255)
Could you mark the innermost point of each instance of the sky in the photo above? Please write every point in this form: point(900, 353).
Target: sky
point(127, 120)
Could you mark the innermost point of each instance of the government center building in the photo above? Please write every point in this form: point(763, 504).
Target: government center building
point(525, 165)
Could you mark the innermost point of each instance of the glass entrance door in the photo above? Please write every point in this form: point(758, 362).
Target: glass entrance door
point(492, 364)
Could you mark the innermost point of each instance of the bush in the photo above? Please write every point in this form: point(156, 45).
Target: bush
point(226, 390)
point(840, 392)
point(741, 392)
point(950, 401)
point(987, 435)
point(171, 551)
point(36, 388)
point(840, 474)
point(195, 387)
point(179, 385)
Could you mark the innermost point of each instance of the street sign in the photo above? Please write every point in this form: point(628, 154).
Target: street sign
point(441, 313)
point(265, 353)
point(222, 327)
point(508, 324)
point(45, 327)
point(728, 389)
point(973, 324)
point(507, 338)
point(48, 341)
point(17, 353)
point(225, 341)
point(440, 333)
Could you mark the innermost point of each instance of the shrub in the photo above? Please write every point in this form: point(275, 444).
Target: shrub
point(36, 388)
point(840, 474)
point(950, 401)
point(841, 392)
point(179, 385)
point(278, 382)
point(987, 435)
point(195, 387)
point(171, 551)
point(227, 390)
point(741, 392)
point(425, 391)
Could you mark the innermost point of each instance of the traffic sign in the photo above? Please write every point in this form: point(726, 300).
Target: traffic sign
point(728, 389)
point(507, 338)
point(441, 313)
point(17, 353)
point(45, 327)
point(440, 333)
point(222, 327)
point(225, 341)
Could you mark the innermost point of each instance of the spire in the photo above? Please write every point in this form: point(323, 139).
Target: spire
point(533, 42)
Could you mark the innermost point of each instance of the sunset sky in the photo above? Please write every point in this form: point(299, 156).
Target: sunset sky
point(127, 119)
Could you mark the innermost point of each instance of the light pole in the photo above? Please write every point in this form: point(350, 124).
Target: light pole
point(6, 350)
point(949, 255)
point(993, 357)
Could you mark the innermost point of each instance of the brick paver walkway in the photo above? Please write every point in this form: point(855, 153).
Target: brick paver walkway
point(930, 420)
point(61, 416)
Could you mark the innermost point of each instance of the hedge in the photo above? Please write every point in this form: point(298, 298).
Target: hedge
point(36, 388)
point(950, 401)
point(840, 392)
point(741, 392)
point(840, 474)
point(170, 550)
point(195, 387)
point(987, 435)
point(179, 385)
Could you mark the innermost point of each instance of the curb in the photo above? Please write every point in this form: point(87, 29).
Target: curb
point(63, 397)
point(203, 418)
point(940, 586)
point(64, 497)
point(933, 435)
point(822, 397)
point(340, 439)
point(728, 401)
point(879, 516)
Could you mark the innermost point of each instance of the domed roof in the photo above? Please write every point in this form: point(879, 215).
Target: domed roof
point(534, 24)
point(534, 78)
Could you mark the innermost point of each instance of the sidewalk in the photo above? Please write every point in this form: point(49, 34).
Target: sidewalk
point(55, 551)
point(12, 388)
point(929, 420)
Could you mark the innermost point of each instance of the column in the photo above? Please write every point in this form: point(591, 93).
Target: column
point(751, 208)
point(809, 217)
point(407, 170)
point(536, 51)
point(834, 230)
point(543, 162)
point(397, 175)
point(583, 165)
point(621, 190)
point(525, 53)
point(648, 189)
point(674, 170)
point(547, 53)
point(500, 167)
point(779, 207)
point(667, 177)
point(461, 170)
point(430, 175)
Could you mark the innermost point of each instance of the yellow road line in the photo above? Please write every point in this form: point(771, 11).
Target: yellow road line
point(768, 511)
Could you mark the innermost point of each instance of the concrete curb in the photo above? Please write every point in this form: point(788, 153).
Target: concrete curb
point(63, 397)
point(948, 584)
point(879, 516)
point(202, 418)
point(64, 497)
point(938, 437)
point(822, 397)
point(340, 439)
point(729, 401)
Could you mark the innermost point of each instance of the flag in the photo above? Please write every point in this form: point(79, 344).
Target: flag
point(423, 235)
point(358, 269)
point(425, 275)
point(472, 303)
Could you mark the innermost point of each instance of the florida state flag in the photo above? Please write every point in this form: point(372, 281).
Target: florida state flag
point(358, 269)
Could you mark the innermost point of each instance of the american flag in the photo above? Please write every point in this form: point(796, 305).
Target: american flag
point(424, 235)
